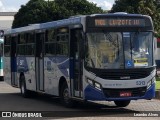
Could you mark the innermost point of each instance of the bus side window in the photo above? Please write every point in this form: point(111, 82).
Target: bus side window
point(50, 42)
point(62, 42)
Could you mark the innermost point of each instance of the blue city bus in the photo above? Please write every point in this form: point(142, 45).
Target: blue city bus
point(99, 57)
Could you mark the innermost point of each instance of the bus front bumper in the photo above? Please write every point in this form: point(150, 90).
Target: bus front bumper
point(91, 93)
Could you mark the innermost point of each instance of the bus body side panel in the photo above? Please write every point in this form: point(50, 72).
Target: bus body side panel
point(7, 70)
point(51, 82)
point(63, 69)
point(30, 75)
point(54, 69)
point(26, 65)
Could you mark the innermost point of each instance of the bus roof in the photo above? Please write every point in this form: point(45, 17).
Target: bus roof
point(69, 21)
point(117, 14)
point(31, 27)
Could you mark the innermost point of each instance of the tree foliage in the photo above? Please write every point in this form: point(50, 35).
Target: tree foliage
point(39, 11)
point(146, 7)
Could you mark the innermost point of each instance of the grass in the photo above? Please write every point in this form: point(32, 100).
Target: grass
point(157, 83)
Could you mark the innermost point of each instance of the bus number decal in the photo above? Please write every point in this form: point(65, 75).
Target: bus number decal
point(140, 82)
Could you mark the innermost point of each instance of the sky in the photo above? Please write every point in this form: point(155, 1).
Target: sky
point(14, 5)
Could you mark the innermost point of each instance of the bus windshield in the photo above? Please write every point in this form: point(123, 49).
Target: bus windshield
point(115, 50)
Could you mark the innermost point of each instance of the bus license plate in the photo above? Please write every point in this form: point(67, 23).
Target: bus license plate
point(125, 94)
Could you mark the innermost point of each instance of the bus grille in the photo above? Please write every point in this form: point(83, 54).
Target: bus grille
point(124, 74)
point(117, 76)
point(115, 93)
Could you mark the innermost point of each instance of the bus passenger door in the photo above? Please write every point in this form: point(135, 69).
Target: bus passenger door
point(14, 81)
point(76, 62)
point(40, 61)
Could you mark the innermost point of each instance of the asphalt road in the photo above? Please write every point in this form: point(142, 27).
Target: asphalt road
point(50, 107)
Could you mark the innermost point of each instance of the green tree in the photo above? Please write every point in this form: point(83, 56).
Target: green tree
point(77, 7)
point(33, 12)
point(39, 11)
point(146, 7)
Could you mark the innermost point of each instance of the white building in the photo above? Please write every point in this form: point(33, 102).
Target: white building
point(6, 20)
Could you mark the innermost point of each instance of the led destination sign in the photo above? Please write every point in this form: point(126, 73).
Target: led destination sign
point(119, 22)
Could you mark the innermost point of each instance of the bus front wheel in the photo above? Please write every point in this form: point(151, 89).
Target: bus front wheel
point(65, 100)
point(122, 103)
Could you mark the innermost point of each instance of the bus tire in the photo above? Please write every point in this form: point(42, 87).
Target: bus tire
point(24, 91)
point(122, 103)
point(64, 96)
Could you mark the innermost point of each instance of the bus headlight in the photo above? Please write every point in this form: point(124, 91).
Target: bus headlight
point(93, 83)
point(98, 86)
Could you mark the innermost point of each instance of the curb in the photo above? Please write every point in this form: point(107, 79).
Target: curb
point(157, 94)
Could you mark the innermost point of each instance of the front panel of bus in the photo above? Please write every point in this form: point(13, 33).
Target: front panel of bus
point(119, 61)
